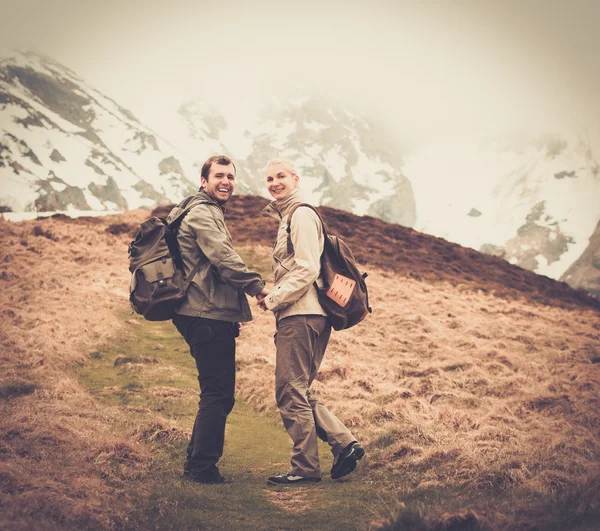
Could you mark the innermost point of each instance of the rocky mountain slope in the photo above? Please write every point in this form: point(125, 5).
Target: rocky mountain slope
point(65, 146)
point(534, 202)
point(345, 160)
point(585, 272)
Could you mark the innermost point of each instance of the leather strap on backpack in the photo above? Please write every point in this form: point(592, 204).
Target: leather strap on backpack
point(290, 246)
point(188, 280)
point(177, 221)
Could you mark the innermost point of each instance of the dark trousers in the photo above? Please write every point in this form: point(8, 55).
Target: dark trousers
point(212, 345)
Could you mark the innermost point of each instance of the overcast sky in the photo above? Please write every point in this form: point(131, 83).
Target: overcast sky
point(428, 68)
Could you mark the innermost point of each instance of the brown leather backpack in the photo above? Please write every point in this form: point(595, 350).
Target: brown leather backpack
point(344, 296)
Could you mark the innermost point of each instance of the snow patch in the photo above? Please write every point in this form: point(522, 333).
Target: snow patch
point(59, 187)
point(335, 163)
point(315, 126)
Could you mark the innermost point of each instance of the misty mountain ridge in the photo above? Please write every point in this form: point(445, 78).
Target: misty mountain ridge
point(534, 204)
point(532, 200)
point(64, 146)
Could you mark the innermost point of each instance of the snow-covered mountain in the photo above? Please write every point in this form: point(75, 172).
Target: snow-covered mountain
point(585, 272)
point(343, 158)
point(535, 203)
point(65, 146)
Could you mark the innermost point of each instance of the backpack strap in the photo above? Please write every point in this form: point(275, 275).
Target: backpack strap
point(175, 224)
point(192, 274)
point(290, 246)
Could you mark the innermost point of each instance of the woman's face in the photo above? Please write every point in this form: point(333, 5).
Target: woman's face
point(280, 181)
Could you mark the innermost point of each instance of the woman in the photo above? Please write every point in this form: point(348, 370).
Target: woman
point(302, 334)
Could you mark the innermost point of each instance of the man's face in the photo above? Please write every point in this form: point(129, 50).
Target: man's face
point(220, 183)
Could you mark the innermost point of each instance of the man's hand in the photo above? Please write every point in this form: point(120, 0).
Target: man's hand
point(260, 298)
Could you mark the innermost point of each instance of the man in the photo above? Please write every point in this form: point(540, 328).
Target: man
point(302, 334)
point(210, 316)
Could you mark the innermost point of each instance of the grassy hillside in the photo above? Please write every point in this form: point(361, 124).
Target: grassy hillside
point(406, 252)
point(473, 385)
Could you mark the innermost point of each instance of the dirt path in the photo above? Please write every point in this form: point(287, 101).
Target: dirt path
point(149, 373)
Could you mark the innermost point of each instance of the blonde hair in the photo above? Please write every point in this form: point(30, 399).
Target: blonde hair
point(286, 162)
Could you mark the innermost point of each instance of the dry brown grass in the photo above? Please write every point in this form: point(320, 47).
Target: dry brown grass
point(456, 386)
point(64, 460)
point(450, 387)
point(445, 384)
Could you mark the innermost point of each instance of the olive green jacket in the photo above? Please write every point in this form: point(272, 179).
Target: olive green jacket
point(218, 290)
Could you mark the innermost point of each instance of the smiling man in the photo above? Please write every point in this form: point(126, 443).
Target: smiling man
point(214, 306)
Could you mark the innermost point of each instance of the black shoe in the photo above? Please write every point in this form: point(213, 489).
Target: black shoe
point(345, 463)
point(291, 479)
point(214, 479)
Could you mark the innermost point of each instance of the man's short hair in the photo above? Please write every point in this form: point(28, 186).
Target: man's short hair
point(217, 159)
point(289, 164)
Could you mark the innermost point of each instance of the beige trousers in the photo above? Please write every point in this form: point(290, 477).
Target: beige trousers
point(301, 342)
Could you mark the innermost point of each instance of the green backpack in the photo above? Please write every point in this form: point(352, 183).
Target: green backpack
point(158, 284)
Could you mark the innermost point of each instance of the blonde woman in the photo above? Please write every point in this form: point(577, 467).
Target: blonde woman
point(302, 334)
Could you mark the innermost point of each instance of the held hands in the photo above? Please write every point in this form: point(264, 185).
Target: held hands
point(260, 298)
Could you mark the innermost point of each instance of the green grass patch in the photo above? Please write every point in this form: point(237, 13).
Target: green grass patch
point(256, 446)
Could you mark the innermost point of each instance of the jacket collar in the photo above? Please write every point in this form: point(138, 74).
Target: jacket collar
point(201, 194)
point(279, 208)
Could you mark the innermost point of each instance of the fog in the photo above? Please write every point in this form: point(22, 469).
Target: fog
point(429, 70)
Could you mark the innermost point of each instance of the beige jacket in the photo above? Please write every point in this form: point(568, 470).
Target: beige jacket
point(218, 290)
point(295, 273)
